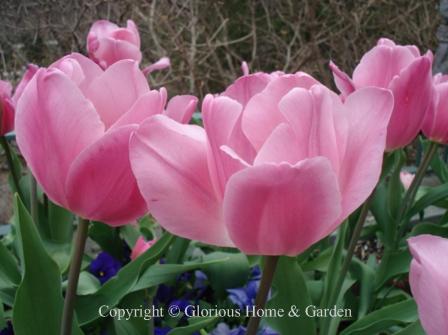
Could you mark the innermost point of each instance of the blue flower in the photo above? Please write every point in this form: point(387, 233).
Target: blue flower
point(181, 303)
point(161, 330)
point(224, 329)
point(201, 279)
point(8, 330)
point(104, 267)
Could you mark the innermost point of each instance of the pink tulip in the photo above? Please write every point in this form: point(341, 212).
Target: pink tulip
point(406, 73)
point(108, 43)
point(140, 247)
point(280, 164)
point(73, 125)
point(8, 101)
point(429, 281)
point(406, 179)
point(435, 125)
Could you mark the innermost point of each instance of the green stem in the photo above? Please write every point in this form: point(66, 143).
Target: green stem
point(412, 191)
point(33, 199)
point(15, 177)
point(73, 276)
point(263, 291)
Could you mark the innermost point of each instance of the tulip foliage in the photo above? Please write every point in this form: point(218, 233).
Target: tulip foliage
point(135, 213)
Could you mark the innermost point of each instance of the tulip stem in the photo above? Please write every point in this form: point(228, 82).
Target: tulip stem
point(10, 162)
point(409, 197)
point(33, 199)
point(73, 276)
point(263, 291)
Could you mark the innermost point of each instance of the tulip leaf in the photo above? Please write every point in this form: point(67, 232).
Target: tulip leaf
point(195, 325)
point(108, 238)
point(230, 274)
point(9, 271)
point(38, 302)
point(413, 329)
point(380, 320)
point(397, 263)
point(430, 228)
point(115, 289)
point(2, 316)
point(432, 196)
point(290, 289)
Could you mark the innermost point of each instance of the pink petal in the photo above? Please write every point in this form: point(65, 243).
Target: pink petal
point(103, 28)
point(110, 51)
point(147, 105)
point(131, 26)
point(100, 184)
point(5, 89)
point(361, 134)
point(244, 68)
point(435, 125)
point(181, 108)
point(169, 160)
point(140, 247)
point(342, 80)
point(220, 116)
point(27, 76)
point(412, 96)
point(261, 114)
point(54, 123)
point(381, 64)
point(281, 209)
point(244, 88)
point(116, 90)
point(6, 115)
point(161, 64)
point(429, 281)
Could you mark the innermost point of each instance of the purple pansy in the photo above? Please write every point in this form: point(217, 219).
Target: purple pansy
point(104, 267)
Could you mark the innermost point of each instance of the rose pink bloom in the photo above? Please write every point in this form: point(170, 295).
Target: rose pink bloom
point(8, 102)
point(429, 281)
point(140, 247)
point(406, 73)
point(73, 125)
point(435, 125)
point(406, 179)
point(108, 43)
point(280, 164)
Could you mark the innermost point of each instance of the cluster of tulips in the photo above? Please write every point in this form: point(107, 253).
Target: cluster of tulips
point(279, 162)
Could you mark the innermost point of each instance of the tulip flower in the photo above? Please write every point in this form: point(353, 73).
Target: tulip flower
point(280, 164)
point(406, 73)
point(141, 246)
point(9, 100)
point(406, 179)
point(435, 125)
point(73, 124)
point(428, 279)
point(108, 43)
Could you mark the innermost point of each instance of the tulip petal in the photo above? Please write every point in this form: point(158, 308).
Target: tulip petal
point(428, 280)
point(361, 135)
point(261, 114)
point(27, 76)
point(54, 123)
point(100, 184)
point(342, 80)
point(116, 90)
point(181, 108)
point(244, 88)
point(147, 105)
point(169, 160)
point(161, 64)
point(435, 125)
point(281, 209)
point(412, 94)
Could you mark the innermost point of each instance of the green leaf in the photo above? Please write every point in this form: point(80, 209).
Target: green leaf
point(108, 238)
point(430, 228)
point(9, 271)
point(290, 289)
point(432, 196)
point(2, 316)
point(38, 303)
point(396, 263)
point(196, 324)
point(379, 208)
point(380, 320)
point(413, 329)
point(116, 288)
point(60, 224)
point(177, 251)
point(161, 273)
point(87, 284)
point(230, 274)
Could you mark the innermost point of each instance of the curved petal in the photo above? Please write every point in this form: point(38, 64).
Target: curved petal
point(6, 115)
point(381, 64)
point(435, 125)
point(110, 50)
point(220, 116)
point(103, 28)
point(181, 108)
point(361, 133)
point(412, 91)
point(282, 209)
point(261, 114)
point(54, 123)
point(342, 80)
point(27, 76)
point(429, 281)
point(245, 87)
point(161, 64)
point(100, 184)
point(147, 105)
point(169, 160)
point(116, 90)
